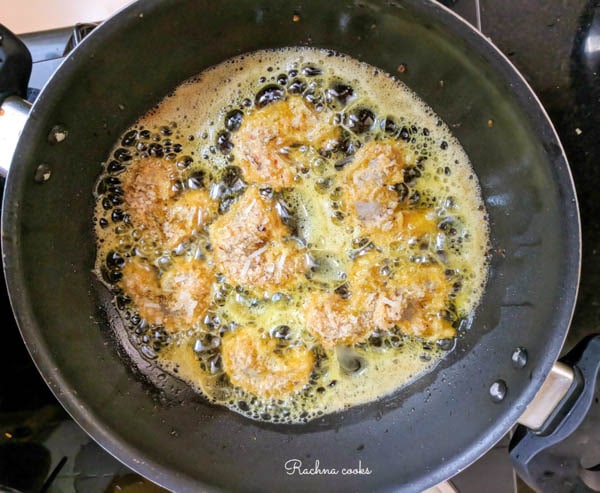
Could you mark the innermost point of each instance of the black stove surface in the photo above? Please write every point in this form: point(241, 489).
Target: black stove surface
point(556, 46)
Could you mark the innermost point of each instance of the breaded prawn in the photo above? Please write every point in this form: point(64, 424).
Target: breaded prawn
point(255, 363)
point(250, 247)
point(267, 138)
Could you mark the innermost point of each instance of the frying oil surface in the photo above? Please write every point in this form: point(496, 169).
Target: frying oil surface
point(293, 233)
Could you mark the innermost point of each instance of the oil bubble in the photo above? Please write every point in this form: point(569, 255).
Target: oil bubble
point(446, 344)
point(130, 138)
point(148, 352)
point(361, 120)
point(115, 167)
point(282, 332)
point(350, 362)
point(122, 154)
point(184, 162)
point(268, 94)
point(341, 92)
point(297, 86)
point(233, 120)
point(311, 71)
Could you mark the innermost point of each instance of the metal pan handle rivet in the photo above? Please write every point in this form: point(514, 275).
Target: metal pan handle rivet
point(42, 173)
point(519, 358)
point(498, 390)
point(57, 134)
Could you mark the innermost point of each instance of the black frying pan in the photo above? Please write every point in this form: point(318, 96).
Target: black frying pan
point(419, 436)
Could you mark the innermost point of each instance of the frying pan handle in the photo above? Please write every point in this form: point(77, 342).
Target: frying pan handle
point(560, 455)
point(15, 65)
point(15, 69)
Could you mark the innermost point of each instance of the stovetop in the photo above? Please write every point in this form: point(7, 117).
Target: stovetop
point(556, 46)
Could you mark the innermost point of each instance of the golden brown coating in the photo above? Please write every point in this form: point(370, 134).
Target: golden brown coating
point(148, 185)
point(187, 289)
point(368, 186)
point(188, 214)
point(249, 245)
point(264, 140)
point(254, 363)
point(334, 321)
point(140, 283)
point(177, 299)
point(413, 298)
point(155, 207)
point(420, 293)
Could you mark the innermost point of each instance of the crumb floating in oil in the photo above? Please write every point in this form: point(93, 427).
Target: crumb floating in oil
point(295, 241)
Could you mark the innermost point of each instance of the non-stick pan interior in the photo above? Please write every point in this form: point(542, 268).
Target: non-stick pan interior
point(413, 439)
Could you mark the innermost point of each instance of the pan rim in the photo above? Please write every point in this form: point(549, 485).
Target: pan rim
point(114, 444)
